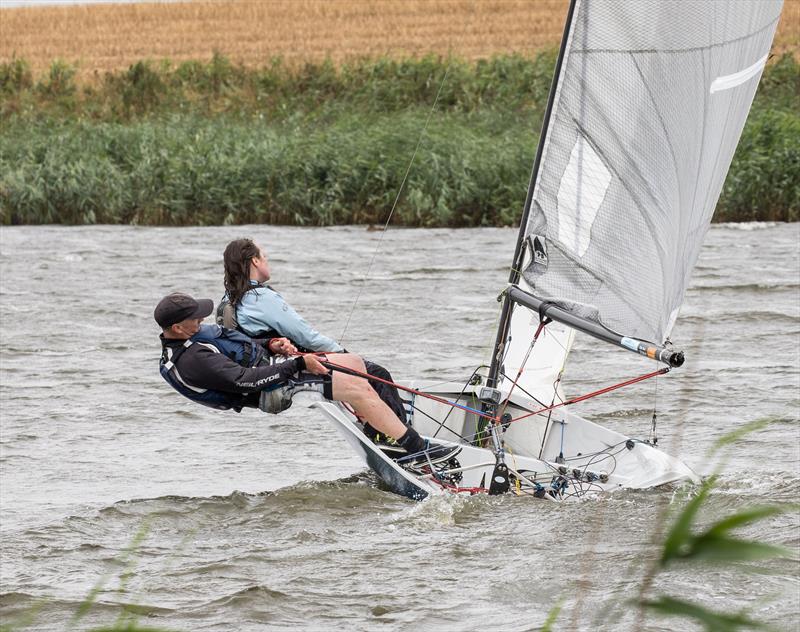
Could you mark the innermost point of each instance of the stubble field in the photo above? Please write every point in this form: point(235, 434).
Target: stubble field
point(110, 37)
point(99, 38)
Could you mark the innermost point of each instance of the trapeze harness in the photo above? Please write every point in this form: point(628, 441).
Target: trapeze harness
point(278, 399)
point(229, 342)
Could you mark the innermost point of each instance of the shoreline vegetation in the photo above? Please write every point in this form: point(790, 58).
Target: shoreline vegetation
point(203, 143)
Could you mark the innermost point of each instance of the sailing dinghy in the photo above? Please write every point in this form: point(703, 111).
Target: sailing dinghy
point(647, 104)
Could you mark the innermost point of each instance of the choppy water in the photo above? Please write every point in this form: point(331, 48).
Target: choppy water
point(254, 522)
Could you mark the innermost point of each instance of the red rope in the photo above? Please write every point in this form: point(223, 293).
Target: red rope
point(442, 400)
point(602, 391)
point(458, 490)
point(372, 378)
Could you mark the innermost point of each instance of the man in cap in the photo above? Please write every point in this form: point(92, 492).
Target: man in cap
point(224, 369)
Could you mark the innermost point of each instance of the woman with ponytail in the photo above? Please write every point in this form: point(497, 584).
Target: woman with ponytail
point(258, 311)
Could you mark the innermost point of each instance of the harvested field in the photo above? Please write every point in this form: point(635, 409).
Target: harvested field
point(110, 37)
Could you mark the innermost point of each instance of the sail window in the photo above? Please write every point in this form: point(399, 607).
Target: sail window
point(726, 82)
point(580, 194)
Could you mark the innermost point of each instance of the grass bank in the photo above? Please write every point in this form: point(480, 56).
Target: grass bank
point(213, 143)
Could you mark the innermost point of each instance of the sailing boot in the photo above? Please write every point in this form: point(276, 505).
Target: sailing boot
point(421, 451)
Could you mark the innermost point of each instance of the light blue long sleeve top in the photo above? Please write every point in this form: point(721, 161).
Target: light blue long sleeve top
point(263, 308)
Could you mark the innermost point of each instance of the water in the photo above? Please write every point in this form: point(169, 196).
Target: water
point(255, 522)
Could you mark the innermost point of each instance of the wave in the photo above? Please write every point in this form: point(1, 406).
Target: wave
point(744, 287)
point(23, 603)
point(749, 226)
point(252, 595)
point(363, 487)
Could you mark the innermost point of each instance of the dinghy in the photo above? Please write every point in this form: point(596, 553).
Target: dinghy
point(647, 104)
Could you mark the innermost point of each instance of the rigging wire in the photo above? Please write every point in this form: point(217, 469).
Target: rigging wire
point(601, 391)
point(373, 378)
point(441, 424)
point(539, 330)
point(553, 401)
point(394, 205)
point(489, 344)
point(446, 417)
point(653, 438)
point(456, 379)
point(524, 392)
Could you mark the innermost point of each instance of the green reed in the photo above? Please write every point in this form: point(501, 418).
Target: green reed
point(216, 143)
point(186, 170)
point(690, 534)
point(276, 90)
point(691, 541)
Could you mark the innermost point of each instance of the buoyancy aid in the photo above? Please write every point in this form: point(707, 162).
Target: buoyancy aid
point(231, 343)
point(226, 317)
point(234, 344)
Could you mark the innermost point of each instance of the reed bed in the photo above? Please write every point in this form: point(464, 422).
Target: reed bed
point(215, 143)
point(191, 170)
point(277, 90)
point(100, 38)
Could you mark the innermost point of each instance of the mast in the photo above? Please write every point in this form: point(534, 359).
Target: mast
point(519, 252)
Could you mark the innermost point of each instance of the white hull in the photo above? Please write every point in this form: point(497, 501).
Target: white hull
point(594, 459)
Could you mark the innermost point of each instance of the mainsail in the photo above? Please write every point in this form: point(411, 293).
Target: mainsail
point(648, 101)
point(647, 107)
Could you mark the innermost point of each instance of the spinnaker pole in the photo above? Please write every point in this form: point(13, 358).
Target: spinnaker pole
point(519, 252)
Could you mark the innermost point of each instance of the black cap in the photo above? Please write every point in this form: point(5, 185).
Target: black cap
point(177, 307)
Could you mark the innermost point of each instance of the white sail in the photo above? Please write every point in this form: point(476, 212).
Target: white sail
point(650, 102)
point(535, 373)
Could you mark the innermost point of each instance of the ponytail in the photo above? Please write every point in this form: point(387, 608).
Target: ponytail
point(236, 260)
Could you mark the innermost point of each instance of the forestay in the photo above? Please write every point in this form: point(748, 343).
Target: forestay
point(650, 102)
